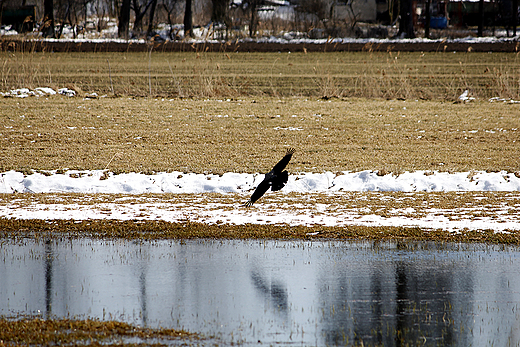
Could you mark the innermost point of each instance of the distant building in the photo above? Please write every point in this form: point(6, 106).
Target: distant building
point(360, 10)
point(466, 13)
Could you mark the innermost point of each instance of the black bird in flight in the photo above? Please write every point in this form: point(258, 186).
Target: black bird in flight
point(274, 179)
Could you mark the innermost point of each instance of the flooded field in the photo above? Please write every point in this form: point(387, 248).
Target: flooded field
point(274, 292)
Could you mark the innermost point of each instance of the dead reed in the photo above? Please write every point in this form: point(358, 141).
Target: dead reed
point(158, 229)
point(386, 75)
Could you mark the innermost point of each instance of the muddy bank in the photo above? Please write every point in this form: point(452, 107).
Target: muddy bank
point(162, 230)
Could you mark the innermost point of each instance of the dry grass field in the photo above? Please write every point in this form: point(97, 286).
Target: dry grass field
point(249, 134)
point(388, 75)
point(217, 112)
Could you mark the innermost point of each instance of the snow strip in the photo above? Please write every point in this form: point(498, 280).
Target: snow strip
point(98, 181)
point(192, 199)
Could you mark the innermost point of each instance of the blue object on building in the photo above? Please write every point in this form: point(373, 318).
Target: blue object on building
point(438, 22)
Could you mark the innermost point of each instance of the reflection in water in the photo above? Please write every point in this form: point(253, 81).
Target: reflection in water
point(396, 302)
point(264, 292)
point(142, 287)
point(274, 292)
point(48, 277)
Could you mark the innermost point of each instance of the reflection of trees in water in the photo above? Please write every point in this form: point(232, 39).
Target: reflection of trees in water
point(400, 303)
point(143, 269)
point(422, 297)
point(49, 255)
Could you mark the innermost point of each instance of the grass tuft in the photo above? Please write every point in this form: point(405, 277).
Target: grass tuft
point(63, 331)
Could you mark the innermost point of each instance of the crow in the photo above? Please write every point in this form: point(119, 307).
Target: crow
point(274, 179)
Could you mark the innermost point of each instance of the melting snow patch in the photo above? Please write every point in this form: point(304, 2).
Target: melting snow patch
point(45, 91)
point(40, 91)
point(497, 99)
point(67, 92)
point(178, 182)
point(288, 128)
point(464, 97)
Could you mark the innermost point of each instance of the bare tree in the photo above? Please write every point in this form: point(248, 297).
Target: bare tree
point(253, 6)
point(170, 7)
point(149, 32)
point(406, 22)
point(124, 20)
point(113, 8)
point(140, 10)
point(514, 19)
point(72, 11)
point(63, 11)
point(188, 19)
point(219, 13)
point(246, 12)
point(100, 8)
point(353, 16)
point(427, 19)
point(311, 13)
point(48, 19)
point(480, 27)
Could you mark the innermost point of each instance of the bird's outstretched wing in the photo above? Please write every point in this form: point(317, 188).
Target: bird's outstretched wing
point(274, 179)
point(278, 168)
point(260, 190)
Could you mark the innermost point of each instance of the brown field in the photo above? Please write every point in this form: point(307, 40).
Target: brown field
point(250, 134)
point(388, 75)
point(220, 112)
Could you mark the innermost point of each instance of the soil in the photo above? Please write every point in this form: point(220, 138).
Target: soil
point(169, 46)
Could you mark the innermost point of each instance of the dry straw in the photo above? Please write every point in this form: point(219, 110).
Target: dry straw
point(387, 75)
point(249, 134)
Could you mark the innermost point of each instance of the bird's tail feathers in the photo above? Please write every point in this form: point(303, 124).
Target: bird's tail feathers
point(290, 151)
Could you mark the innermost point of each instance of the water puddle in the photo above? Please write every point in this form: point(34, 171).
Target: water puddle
point(272, 292)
